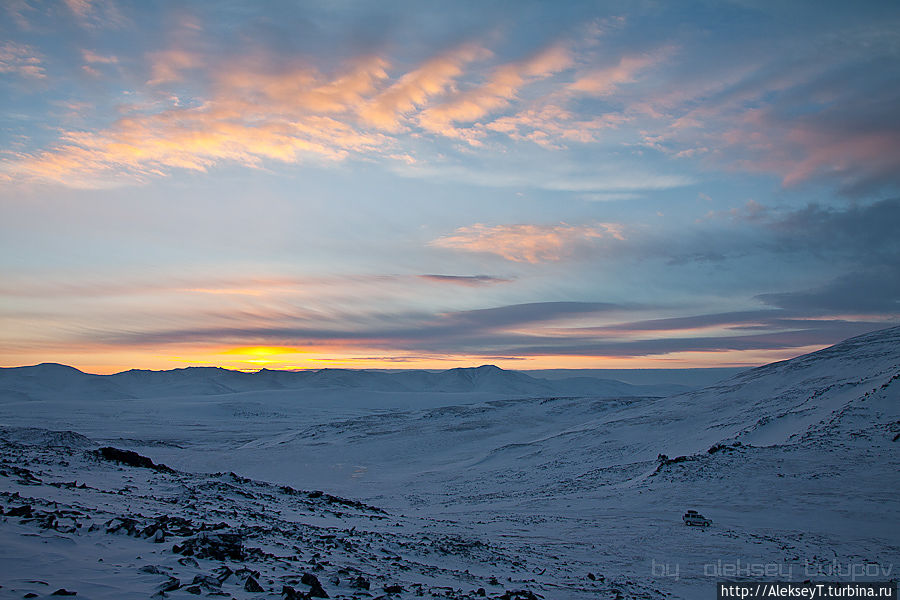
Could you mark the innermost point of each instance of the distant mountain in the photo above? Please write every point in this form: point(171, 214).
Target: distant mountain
point(42, 380)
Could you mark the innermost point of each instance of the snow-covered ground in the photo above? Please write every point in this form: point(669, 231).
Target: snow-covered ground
point(458, 481)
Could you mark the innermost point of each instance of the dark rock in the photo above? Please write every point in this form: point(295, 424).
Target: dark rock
point(480, 592)
point(175, 525)
point(19, 511)
point(393, 589)
point(315, 588)
point(360, 583)
point(133, 459)
point(217, 546)
point(170, 585)
point(520, 595)
point(123, 525)
point(246, 572)
point(592, 577)
point(251, 585)
point(223, 573)
point(30, 595)
point(207, 581)
point(63, 592)
point(290, 593)
point(194, 589)
point(316, 591)
point(152, 569)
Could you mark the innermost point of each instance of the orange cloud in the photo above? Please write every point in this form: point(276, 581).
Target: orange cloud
point(299, 89)
point(415, 88)
point(195, 139)
point(496, 93)
point(259, 109)
point(253, 115)
point(527, 243)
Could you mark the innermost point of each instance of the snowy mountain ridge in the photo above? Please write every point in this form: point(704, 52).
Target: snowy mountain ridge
point(52, 378)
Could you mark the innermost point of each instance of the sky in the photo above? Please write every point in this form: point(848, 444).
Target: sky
point(441, 184)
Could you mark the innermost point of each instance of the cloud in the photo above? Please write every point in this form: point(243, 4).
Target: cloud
point(801, 119)
point(250, 100)
point(96, 13)
point(874, 290)
point(81, 8)
point(254, 116)
point(298, 89)
point(18, 11)
point(605, 81)
point(414, 89)
point(528, 243)
point(530, 313)
point(815, 334)
point(497, 92)
point(466, 280)
point(523, 330)
point(21, 59)
point(443, 332)
point(551, 126)
point(865, 233)
point(169, 65)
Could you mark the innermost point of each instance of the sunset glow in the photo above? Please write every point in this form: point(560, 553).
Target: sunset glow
point(293, 186)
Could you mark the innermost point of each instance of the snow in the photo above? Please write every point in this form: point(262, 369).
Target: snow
point(480, 473)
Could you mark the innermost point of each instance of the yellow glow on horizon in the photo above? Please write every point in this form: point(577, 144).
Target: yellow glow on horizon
point(253, 358)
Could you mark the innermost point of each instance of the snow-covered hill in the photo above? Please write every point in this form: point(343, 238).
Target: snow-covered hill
point(565, 495)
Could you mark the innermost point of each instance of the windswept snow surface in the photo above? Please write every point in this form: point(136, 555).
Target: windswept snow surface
point(467, 479)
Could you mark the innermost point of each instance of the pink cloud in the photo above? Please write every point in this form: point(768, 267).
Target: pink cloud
point(81, 8)
point(22, 60)
point(552, 125)
point(94, 58)
point(828, 153)
point(96, 13)
point(602, 82)
point(169, 65)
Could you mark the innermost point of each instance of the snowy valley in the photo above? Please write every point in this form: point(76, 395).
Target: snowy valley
point(462, 484)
